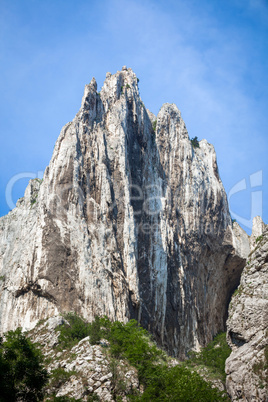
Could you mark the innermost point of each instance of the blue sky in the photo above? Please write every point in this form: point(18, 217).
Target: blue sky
point(209, 57)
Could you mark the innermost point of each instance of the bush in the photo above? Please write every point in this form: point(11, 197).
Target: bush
point(180, 384)
point(134, 343)
point(259, 238)
point(161, 382)
point(73, 332)
point(214, 355)
point(95, 331)
point(195, 142)
point(22, 374)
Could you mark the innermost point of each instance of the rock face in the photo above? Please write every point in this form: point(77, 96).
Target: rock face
point(258, 228)
point(129, 221)
point(247, 326)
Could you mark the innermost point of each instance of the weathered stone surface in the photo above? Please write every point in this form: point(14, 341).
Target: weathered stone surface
point(247, 326)
point(258, 228)
point(129, 221)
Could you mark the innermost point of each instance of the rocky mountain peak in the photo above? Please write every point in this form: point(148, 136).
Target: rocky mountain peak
point(130, 221)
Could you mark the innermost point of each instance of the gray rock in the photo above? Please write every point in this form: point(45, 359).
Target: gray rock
point(257, 229)
point(247, 325)
point(128, 223)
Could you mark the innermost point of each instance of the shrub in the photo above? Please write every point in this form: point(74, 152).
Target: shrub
point(180, 384)
point(73, 332)
point(117, 379)
point(195, 142)
point(132, 342)
point(154, 125)
point(22, 374)
point(95, 331)
point(214, 355)
point(59, 376)
point(259, 238)
point(161, 382)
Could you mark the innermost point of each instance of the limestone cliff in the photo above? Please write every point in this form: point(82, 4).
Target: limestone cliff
point(129, 221)
point(247, 325)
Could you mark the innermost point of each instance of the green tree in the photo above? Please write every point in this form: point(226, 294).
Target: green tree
point(22, 374)
point(195, 142)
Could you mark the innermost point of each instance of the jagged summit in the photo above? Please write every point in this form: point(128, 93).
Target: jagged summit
point(130, 221)
point(123, 83)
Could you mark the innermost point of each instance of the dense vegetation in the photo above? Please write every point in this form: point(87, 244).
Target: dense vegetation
point(23, 376)
point(213, 356)
point(161, 381)
point(74, 332)
point(22, 373)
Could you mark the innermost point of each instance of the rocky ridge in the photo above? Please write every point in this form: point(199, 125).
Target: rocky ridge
point(247, 324)
point(129, 221)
